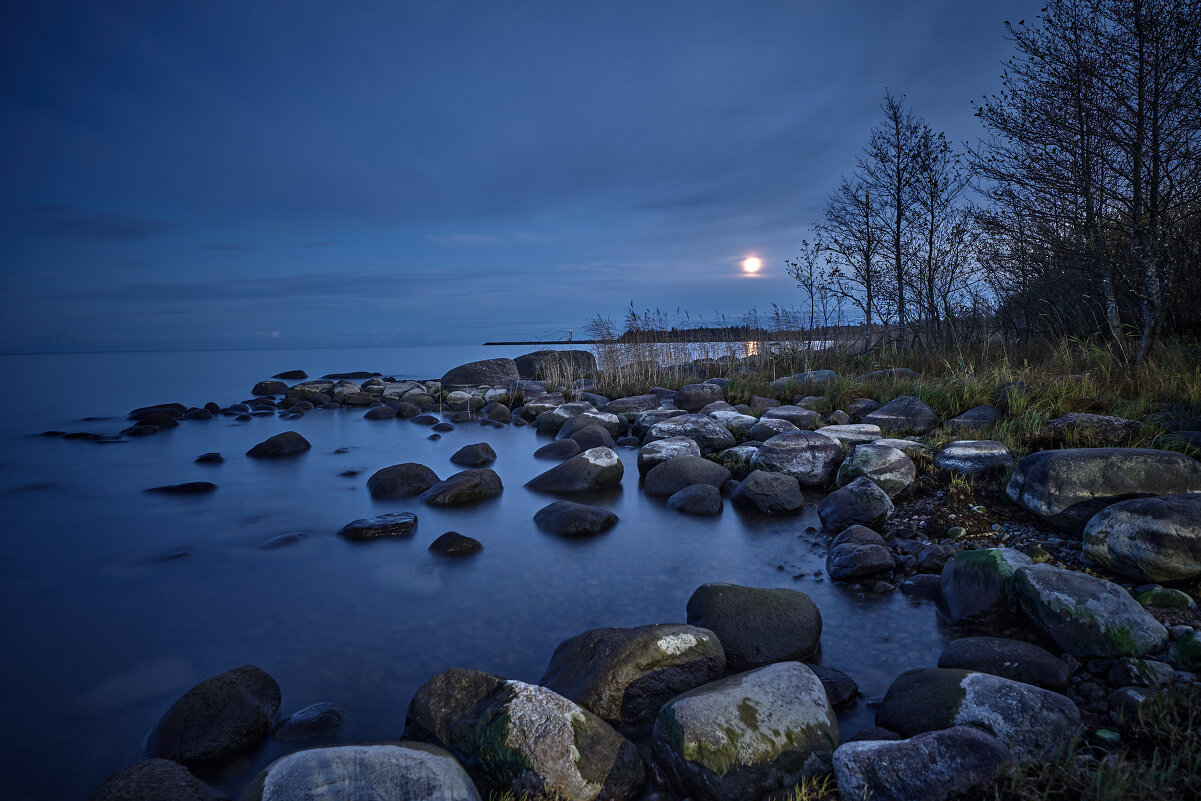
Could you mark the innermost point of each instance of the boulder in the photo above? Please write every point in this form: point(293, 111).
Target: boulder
point(309, 390)
point(220, 718)
point(560, 362)
point(738, 459)
point(905, 414)
point(756, 625)
point(1033, 723)
point(709, 435)
point(655, 453)
point(380, 413)
point(568, 519)
point(364, 773)
point(742, 737)
point(187, 488)
point(888, 373)
point(155, 780)
point(858, 552)
point(1148, 539)
point(452, 543)
point(401, 481)
point(861, 406)
point(1099, 428)
point(1085, 615)
point(487, 372)
point(633, 404)
point(693, 397)
point(292, 375)
point(805, 378)
point(674, 475)
point(737, 423)
point(592, 470)
point(463, 488)
point(906, 446)
point(808, 457)
point(559, 449)
point(929, 767)
point(513, 736)
point(697, 499)
point(476, 455)
point(397, 524)
point(763, 430)
point(320, 721)
point(840, 688)
point(288, 443)
point(269, 388)
point(625, 676)
point(852, 435)
point(888, 468)
point(769, 494)
point(974, 457)
point(578, 422)
point(976, 418)
point(976, 587)
point(1185, 653)
point(646, 420)
point(594, 436)
point(1017, 660)
point(801, 418)
point(859, 503)
point(1067, 487)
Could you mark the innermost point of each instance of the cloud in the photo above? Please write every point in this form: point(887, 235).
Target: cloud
point(85, 225)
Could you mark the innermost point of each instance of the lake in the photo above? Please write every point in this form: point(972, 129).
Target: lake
point(117, 601)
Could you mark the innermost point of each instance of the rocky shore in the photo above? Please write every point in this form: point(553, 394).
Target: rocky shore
point(1071, 574)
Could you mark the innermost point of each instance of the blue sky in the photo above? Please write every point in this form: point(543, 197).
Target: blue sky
point(234, 174)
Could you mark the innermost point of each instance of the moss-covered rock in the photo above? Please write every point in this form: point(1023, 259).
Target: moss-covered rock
point(1185, 653)
point(976, 587)
point(1166, 598)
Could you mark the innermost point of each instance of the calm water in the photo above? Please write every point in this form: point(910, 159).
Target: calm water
point(117, 601)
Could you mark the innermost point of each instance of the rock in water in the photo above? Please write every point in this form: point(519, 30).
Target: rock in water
point(742, 737)
point(928, 767)
point(401, 481)
point(465, 487)
point(190, 488)
point(288, 443)
point(697, 499)
point(364, 773)
point(544, 362)
point(757, 626)
point(977, 586)
point(397, 524)
point(769, 494)
point(672, 476)
point(559, 449)
point(218, 719)
point(625, 676)
point(476, 455)
point(856, 553)
point(568, 519)
point(452, 543)
point(315, 722)
point(155, 780)
point(1010, 659)
point(655, 453)
point(808, 457)
point(594, 469)
point(859, 503)
point(1148, 539)
point(487, 372)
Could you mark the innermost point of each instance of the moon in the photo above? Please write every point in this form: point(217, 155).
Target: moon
point(751, 265)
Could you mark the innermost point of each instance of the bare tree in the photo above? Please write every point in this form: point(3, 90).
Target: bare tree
point(848, 234)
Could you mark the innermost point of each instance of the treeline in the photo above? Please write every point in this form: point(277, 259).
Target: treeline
point(1078, 213)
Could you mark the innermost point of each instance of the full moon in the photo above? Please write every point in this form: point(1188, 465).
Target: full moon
point(751, 265)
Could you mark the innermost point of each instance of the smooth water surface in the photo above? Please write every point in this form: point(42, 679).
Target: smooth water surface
point(117, 601)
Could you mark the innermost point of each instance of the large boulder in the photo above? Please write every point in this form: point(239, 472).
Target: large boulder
point(976, 418)
point(1099, 428)
point(220, 718)
point(155, 780)
point(808, 457)
point(463, 488)
point(475, 455)
point(859, 503)
point(694, 397)
point(594, 469)
point(401, 481)
point(697, 499)
point(709, 435)
point(888, 468)
point(609, 422)
point(269, 388)
point(569, 519)
point(645, 421)
point(672, 476)
point(1148, 539)
point(364, 773)
point(757, 625)
point(510, 735)
point(806, 378)
point(769, 494)
point(742, 737)
point(905, 414)
point(486, 372)
point(976, 587)
point(625, 676)
point(738, 459)
point(287, 443)
point(563, 363)
point(928, 767)
point(396, 524)
point(741, 425)
point(1085, 615)
point(856, 553)
point(1035, 724)
point(851, 434)
point(659, 451)
point(801, 418)
point(1010, 659)
point(765, 429)
point(633, 404)
point(559, 449)
point(1067, 487)
point(974, 457)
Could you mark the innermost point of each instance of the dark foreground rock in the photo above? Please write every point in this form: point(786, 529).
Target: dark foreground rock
point(452, 543)
point(976, 587)
point(928, 767)
point(545, 362)
point(568, 519)
point(757, 626)
point(155, 780)
point(463, 488)
point(288, 443)
point(697, 499)
point(592, 470)
point(486, 372)
point(397, 524)
point(1011, 659)
point(401, 481)
point(1148, 539)
point(559, 449)
point(188, 488)
point(861, 502)
point(318, 721)
point(476, 455)
point(769, 494)
point(674, 475)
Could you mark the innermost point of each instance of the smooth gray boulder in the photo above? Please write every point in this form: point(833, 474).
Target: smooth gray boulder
point(475, 455)
point(742, 737)
point(672, 476)
point(801, 418)
point(769, 494)
point(1033, 723)
point(976, 587)
point(851, 435)
point(1017, 660)
point(396, 524)
point(633, 404)
point(709, 435)
point(562, 362)
point(976, 418)
point(697, 499)
point(1067, 487)
point(928, 767)
point(463, 488)
point(1148, 539)
point(974, 457)
point(905, 414)
point(1085, 615)
point(625, 676)
point(569, 519)
point(594, 436)
point(486, 372)
point(861, 406)
point(594, 469)
point(610, 422)
point(693, 397)
point(559, 449)
point(857, 552)
point(269, 388)
point(659, 451)
point(859, 503)
point(888, 468)
point(287, 443)
point(155, 780)
point(757, 625)
point(319, 721)
point(401, 481)
point(369, 772)
point(808, 457)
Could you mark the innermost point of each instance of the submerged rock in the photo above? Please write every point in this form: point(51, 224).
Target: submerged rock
point(401, 481)
point(397, 524)
point(486, 372)
point(757, 626)
point(769, 494)
point(569, 519)
point(465, 487)
point(859, 503)
point(452, 543)
point(155, 780)
point(674, 475)
point(697, 499)
point(976, 587)
point(288, 443)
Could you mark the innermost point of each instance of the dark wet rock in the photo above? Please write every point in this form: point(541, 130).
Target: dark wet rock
point(768, 427)
point(976, 587)
point(559, 449)
point(1085, 615)
point(351, 472)
point(1141, 673)
point(1011, 659)
point(287, 443)
point(922, 587)
point(1011, 395)
point(929, 767)
point(799, 417)
point(547, 362)
point(595, 469)
point(769, 493)
point(655, 453)
point(856, 553)
point(737, 459)
point(1099, 428)
point(155, 780)
point(569, 519)
point(425, 420)
point(319, 721)
point(292, 375)
point(873, 733)
point(218, 719)
point(810, 377)
point(840, 688)
point(692, 397)
point(269, 388)
point(1148, 539)
point(859, 503)
point(674, 475)
point(976, 418)
point(861, 406)
point(933, 557)
point(442, 427)
point(1185, 653)
point(355, 374)
point(624, 676)
point(486, 372)
point(808, 457)
point(452, 543)
point(756, 625)
point(380, 413)
point(463, 488)
point(496, 412)
point(392, 770)
point(610, 422)
point(905, 414)
point(158, 420)
point(396, 524)
point(476, 455)
point(888, 468)
point(132, 431)
point(1067, 487)
point(740, 424)
point(742, 737)
point(197, 414)
point(281, 541)
point(312, 390)
point(188, 488)
point(709, 435)
point(169, 409)
point(974, 457)
point(644, 421)
point(590, 437)
point(510, 735)
point(697, 499)
point(633, 404)
point(1034, 723)
point(401, 481)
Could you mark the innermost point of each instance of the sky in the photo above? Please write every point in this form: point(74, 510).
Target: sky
point(291, 174)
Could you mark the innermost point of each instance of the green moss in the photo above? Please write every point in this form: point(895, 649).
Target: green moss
point(1166, 597)
point(1121, 638)
point(748, 713)
point(1186, 652)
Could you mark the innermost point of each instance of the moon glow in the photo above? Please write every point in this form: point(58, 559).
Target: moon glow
point(751, 265)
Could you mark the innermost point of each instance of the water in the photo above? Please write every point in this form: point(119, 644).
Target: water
point(117, 601)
